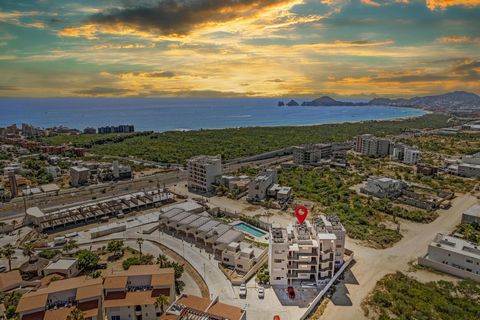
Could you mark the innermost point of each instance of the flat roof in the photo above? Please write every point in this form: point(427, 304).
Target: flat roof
point(50, 187)
point(457, 245)
point(473, 211)
point(206, 227)
point(62, 264)
point(229, 236)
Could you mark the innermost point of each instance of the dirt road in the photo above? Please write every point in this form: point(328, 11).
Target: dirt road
point(372, 264)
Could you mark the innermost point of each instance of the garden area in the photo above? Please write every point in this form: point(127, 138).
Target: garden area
point(398, 296)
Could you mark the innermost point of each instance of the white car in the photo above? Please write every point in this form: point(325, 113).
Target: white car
point(261, 292)
point(243, 290)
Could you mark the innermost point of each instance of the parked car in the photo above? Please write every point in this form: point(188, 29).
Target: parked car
point(276, 317)
point(3, 268)
point(261, 292)
point(102, 265)
point(291, 293)
point(243, 290)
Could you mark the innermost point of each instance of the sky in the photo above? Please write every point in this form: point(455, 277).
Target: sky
point(238, 48)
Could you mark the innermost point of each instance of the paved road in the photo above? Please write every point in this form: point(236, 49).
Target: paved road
point(372, 264)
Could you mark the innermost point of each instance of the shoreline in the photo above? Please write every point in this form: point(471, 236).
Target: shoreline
point(396, 119)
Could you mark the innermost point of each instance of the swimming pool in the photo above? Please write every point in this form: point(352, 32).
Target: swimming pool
point(245, 227)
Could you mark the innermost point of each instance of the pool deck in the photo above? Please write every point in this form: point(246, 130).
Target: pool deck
point(262, 239)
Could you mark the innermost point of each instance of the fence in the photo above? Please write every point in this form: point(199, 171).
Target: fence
point(319, 297)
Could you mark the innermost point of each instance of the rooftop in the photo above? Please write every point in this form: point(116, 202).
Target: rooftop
point(457, 245)
point(473, 211)
point(203, 308)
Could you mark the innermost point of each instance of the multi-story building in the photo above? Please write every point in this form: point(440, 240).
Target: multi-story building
point(412, 155)
point(332, 224)
point(239, 255)
point(132, 294)
point(370, 145)
point(59, 298)
point(452, 255)
point(202, 173)
point(116, 129)
point(398, 151)
point(12, 180)
point(305, 253)
point(79, 176)
point(258, 187)
point(311, 153)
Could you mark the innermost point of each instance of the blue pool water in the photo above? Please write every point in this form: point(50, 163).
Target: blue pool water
point(242, 226)
point(164, 114)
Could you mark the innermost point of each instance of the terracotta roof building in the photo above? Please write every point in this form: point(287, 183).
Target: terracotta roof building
point(10, 280)
point(132, 294)
point(59, 298)
point(192, 307)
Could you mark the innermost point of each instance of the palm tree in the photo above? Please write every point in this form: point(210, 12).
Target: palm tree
point(27, 250)
point(140, 242)
point(161, 302)
point(76, 314)
point(8, 252)
point(162, 259)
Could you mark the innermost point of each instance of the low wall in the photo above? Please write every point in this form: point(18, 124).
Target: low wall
point(319, 297)
point(262, 156)
point(423, 261)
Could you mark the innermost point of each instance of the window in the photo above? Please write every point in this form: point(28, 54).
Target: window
point(469, 261)
point(115, 317)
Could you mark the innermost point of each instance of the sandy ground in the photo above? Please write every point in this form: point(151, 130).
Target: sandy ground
point(372, 264)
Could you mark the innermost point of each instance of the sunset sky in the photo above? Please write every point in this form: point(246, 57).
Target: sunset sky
point(230, 48)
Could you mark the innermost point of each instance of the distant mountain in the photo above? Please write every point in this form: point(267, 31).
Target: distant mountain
point(452, 101)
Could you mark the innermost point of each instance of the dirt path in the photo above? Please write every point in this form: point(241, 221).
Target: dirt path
point(371, 264)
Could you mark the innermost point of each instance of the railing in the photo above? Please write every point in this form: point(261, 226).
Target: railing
point(326, 288)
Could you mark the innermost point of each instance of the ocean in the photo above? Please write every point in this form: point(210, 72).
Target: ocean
point(166, 114)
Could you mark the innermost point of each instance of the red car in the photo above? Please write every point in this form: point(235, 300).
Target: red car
point(291, 293)
point(276, 317)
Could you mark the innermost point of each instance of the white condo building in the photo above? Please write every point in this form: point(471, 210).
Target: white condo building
point(453, 255)
point(412, 155)
point(305, 253)
point(202, 173)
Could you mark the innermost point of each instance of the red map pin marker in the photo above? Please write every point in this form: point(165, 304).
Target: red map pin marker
point(301, 212)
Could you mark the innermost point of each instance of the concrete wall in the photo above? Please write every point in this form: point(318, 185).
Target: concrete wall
point(448, 269)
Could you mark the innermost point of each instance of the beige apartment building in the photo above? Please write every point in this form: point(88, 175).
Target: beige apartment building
point(240, 256)
point(59, 298)
point(305, 253)
point(202, 173)
point(131, 294)
point(298, 256)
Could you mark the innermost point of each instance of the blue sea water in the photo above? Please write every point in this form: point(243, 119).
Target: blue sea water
point(165, 114)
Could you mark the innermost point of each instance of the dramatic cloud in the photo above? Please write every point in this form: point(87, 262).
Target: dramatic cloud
point(173, 17)
point(442, 4)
